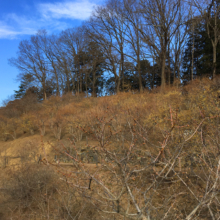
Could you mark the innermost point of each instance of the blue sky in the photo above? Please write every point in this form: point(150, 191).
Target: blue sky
point(19, 19)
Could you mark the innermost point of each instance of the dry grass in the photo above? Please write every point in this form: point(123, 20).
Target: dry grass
point(138, 124)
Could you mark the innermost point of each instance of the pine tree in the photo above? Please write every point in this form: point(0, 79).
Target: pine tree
point(203, 55)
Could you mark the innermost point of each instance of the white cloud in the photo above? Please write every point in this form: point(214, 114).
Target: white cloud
point(47, 15)
point(72, 10)
point(13, 26)
point(6, 31)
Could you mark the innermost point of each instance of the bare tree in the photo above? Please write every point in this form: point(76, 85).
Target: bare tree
point(72, 45)
point(31, 63)
point(64, 64)
point(130, 11)
point(46, 45)
point(107, 28)
point(160, 25)
point(186, 25)
point(209, 10)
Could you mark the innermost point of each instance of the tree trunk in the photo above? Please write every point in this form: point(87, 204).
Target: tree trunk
point(192, 54)
point(163, 80)
point(214, 62)
point(81, 81)
point(68, 84)
point(122, 68)
point(117, 84)
point(214, 44)
point(44, 91)
point(139, 75)
point(78, 83)
point(117, 80)
point(152, 82)
point(138, 62)
point(74, 85)
point(67, 80)
point(56, 77)
point(169, 75)
point(58, 87)
point(93, 85)
point(169, 70)
point(86, 86)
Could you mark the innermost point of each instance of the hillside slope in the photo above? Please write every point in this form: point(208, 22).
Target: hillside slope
point(129, 156)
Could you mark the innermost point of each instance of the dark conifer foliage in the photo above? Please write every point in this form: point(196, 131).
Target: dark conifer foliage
point(203, 54)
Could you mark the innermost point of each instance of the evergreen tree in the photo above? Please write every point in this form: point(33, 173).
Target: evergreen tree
point(21, 91)
point(203, 54)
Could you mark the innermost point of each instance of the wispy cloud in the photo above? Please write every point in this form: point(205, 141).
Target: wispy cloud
point(6, 33)
point(57, 16)
point(72, 10)
point(14, 26)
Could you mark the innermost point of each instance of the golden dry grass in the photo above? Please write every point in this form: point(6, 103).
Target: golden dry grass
point(176, 113)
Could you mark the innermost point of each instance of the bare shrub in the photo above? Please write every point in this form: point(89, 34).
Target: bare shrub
point(160, 174)
point(28, 153)
point(35, 191)
point(30, 189)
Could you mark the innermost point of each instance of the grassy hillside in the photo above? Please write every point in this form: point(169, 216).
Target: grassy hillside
point(129, 156)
